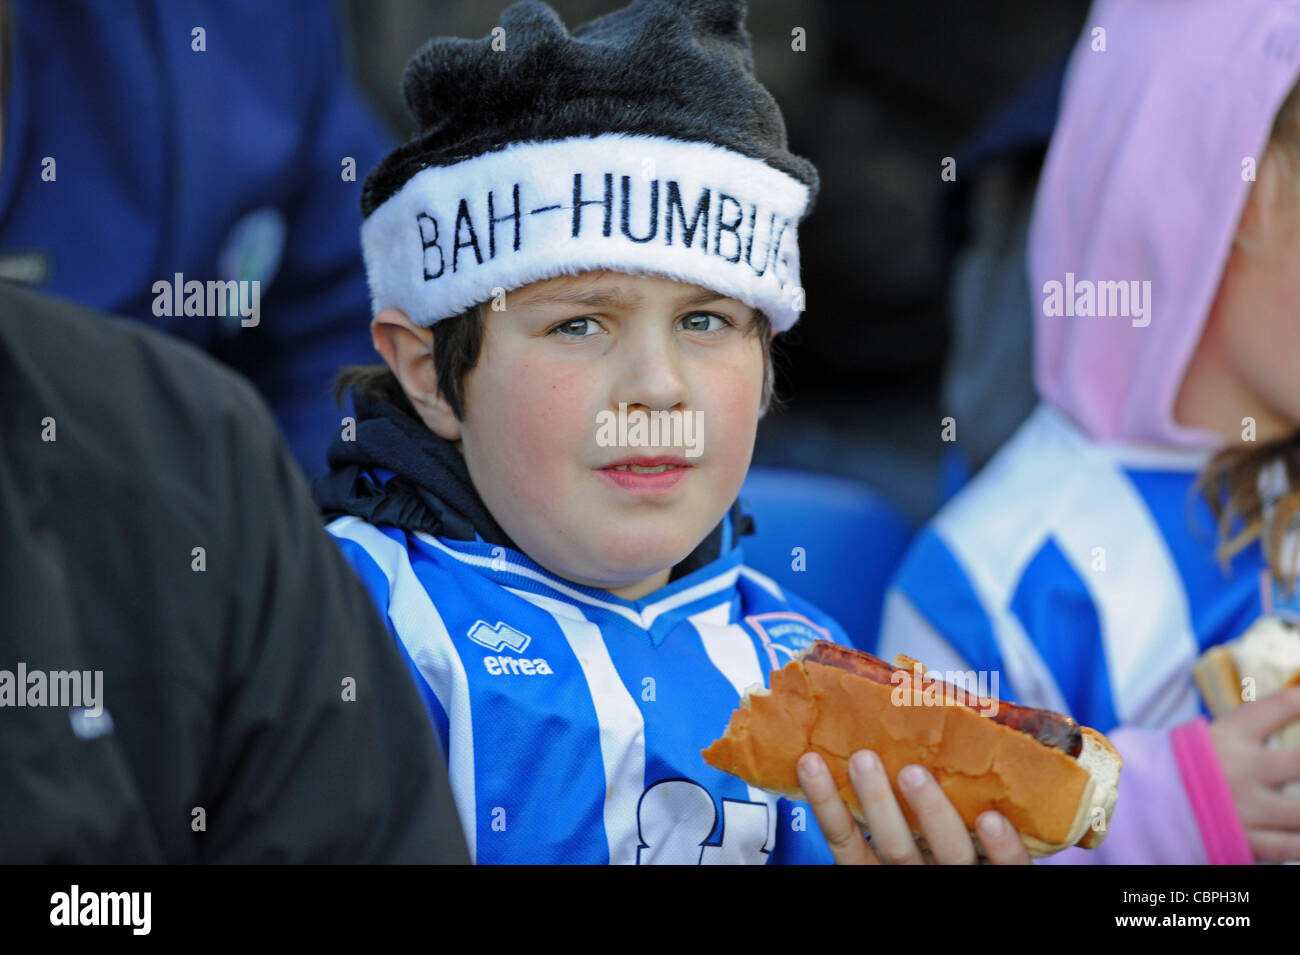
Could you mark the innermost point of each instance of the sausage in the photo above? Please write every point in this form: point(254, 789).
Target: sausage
point(1050, 729)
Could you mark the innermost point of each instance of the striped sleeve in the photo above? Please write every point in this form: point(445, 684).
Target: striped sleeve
point(932, 614)
point(384, 566)
point(1153, 820)
point(377, 586)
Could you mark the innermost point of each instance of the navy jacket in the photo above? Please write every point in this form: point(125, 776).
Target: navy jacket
point(221, 164)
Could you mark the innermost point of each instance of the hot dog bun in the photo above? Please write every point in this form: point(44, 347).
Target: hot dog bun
point(1053, 800)
point(1218, 679)
point(1268, 654)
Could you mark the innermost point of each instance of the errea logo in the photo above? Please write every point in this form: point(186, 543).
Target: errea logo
point(505, 637)
point(498, 638)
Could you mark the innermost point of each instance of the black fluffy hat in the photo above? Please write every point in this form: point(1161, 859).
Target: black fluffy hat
point(530, 143)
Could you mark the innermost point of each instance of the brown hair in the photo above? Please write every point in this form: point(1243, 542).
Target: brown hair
point(457, 344)
point(1230, 482)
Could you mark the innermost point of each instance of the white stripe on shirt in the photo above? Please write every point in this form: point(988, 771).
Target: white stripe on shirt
point(1048, 482)
point(420, 628)
point(995, 527)
point(731, 650)
point(622, 729)
point(904, 629)
point(764, 581)
point(1139, 594)
point(723, 581)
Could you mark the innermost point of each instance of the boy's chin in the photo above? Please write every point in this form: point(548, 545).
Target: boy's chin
point(633, 560)
point(656, 550)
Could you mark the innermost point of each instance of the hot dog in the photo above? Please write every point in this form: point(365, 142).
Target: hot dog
point(1261, 661)
point(1045, 726)
point(1055, 781)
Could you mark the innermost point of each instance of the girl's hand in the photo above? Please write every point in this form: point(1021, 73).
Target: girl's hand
point(891, 837)
point(1255, 772)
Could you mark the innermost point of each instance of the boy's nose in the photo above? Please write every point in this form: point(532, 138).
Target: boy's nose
point(651, 376)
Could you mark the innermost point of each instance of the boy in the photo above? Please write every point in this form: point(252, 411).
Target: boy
point(567, 584)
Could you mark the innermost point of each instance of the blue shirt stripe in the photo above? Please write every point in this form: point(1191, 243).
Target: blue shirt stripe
point(937, 586)
point(1057, 613)
point(1222, 606)
point(516, 722)
point(377, 585)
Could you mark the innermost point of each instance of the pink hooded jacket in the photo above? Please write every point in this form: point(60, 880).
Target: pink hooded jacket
point(1166, 106)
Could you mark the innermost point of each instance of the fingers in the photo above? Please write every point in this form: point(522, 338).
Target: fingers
point(1270, 846)
point(891, 836)
point(845, 839)
point(946, 834)
point(1277, 810)
point(1254, 771)
point(1263, 808)
point(948, 840)
point(1259, 718)
point(1002, 845)
point(1279, 765)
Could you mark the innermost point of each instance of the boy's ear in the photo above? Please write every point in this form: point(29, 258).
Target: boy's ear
point(408, 351)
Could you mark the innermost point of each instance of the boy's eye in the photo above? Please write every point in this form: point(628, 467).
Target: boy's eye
point(705, 322)
point(576, 328)
point(702, 322)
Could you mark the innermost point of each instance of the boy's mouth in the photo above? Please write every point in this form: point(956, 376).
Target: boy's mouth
point(648, 465)
point(647, 474)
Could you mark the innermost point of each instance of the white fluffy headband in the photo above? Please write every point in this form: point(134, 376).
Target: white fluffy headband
point(456, 235)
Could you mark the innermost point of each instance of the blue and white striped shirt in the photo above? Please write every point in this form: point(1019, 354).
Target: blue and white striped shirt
point(1083, 573)
point(572, 720)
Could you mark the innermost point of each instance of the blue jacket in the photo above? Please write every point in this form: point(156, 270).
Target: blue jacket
point(221, 164)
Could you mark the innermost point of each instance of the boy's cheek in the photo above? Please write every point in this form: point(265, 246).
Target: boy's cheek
point(532, 443)
point(731, 420)
point(531, 405)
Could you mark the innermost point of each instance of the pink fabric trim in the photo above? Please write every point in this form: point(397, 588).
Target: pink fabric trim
point(1207, 788)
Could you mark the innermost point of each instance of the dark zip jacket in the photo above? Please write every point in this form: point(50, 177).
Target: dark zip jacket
point(154, 529)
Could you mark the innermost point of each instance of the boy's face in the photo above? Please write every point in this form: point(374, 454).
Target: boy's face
point(541, 408)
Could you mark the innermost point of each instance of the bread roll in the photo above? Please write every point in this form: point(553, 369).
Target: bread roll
point(1053, 800)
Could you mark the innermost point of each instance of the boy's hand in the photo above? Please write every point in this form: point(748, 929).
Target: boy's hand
point(1256, 772)
point(949, 841)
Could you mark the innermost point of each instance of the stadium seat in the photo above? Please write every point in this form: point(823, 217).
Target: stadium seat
point(851, 540)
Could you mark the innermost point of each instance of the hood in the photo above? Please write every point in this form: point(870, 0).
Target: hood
point(396, 471)
point(1144, 182)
